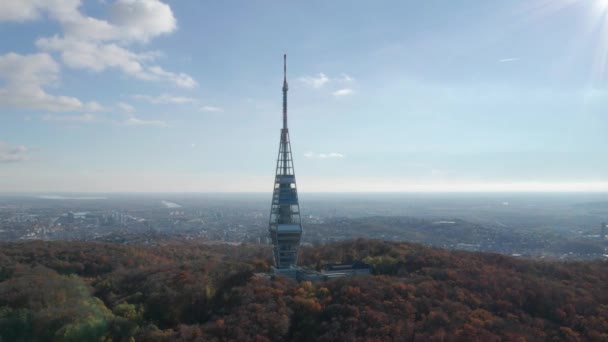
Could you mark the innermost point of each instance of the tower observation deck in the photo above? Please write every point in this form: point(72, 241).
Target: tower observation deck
point(285, 226)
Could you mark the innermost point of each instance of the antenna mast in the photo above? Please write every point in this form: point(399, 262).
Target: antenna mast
point(285, 88)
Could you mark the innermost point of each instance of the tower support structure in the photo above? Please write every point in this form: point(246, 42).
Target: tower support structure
point(285, 224)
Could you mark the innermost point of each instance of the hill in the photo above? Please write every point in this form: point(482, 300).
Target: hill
point(453, 233)
point(192, 291)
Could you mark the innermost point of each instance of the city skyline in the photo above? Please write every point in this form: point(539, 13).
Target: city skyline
point(151, 96)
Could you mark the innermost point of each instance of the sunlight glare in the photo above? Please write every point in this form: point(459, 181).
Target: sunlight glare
point(600, 23)
point(596, 28)
point(601, 5)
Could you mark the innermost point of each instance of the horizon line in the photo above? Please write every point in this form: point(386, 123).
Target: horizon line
point(312, 192)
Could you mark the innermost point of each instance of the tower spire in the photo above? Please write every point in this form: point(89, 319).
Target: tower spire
point(285, 88)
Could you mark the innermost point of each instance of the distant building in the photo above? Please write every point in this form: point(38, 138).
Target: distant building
point(467, 247)
point(81, 215)
point(310, 275)
point(350, 269)
point(119, 218)
point(331, 271)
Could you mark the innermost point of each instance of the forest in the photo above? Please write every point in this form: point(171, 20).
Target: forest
point(187, 290)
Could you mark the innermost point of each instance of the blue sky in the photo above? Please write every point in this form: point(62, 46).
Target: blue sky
point(143, 95)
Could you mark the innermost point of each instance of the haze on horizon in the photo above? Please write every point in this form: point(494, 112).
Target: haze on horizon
point(390, 96)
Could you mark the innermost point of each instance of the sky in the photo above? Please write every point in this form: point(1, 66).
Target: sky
point(385, 96)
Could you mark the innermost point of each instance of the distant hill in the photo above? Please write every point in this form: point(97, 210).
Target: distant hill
point(440, 233)
point(179, 290)
point(458, 234)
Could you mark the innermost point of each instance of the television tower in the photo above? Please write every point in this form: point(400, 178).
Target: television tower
point(285, 226)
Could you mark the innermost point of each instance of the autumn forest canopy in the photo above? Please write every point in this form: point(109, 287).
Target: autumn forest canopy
point(191, 291)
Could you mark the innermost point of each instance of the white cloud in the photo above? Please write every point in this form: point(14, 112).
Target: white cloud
point(133, 121)
point(180, 79)
point(94, 106)
point(314, 81)
point(125, 107)
point(97, 56)
point(10, 153)
point(321, 80)
point(331, 155)
point(164, 99)
point(21, 10)
point(211, 109)
point(84, 118)
point(97, 44)
point(343, 92)
point(506, 60)
point(143, 19)
point(37, 68)
point(26, 76)
point(82, 54)
point(129, 20)
point(347, 78)
point(86, 43)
